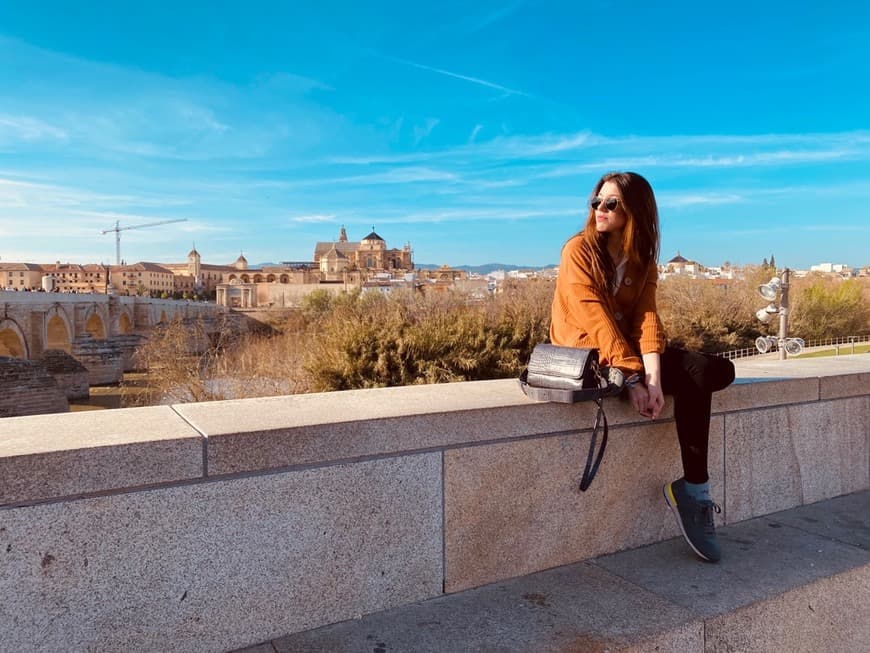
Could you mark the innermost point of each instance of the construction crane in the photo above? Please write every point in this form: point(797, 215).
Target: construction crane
point(118, 229)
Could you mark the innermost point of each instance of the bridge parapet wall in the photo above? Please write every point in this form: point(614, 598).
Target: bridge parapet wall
point(32, 322)
point(211, 526)
point(28, 389)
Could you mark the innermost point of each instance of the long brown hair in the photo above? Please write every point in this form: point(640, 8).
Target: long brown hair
point(640, 236)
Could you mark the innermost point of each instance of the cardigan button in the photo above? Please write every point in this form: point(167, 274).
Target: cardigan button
point(628, 281)
point(617, 315)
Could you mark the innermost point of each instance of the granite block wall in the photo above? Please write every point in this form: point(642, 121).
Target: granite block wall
point(70, 374)
point(26, 388)
point(215, 566)
point(213, 526)
point(514, 508)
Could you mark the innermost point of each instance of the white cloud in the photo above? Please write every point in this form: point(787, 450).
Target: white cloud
point(476, 213)
point(678, 200)
point(26, 128)
point(421, 132)
point(465, 78)
point(316, 218)
point(582, 151)
point(407, 175)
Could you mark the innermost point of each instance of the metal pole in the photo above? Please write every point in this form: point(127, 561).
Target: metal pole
point(117, 242)
point(783, 315)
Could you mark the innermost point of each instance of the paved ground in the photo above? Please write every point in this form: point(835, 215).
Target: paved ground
point(785, 579)
point(759, 367)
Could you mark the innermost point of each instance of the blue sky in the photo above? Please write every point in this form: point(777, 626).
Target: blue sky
point(473, 130)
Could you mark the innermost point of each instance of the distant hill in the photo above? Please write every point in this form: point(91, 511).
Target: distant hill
point(486, 268)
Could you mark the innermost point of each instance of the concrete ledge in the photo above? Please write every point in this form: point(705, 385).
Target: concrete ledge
point(256, 435)
point(49, 456)
point(780, 586)
point(314, 507)
point(308, 429)
point(750, 393)
point(844, 385)
point(275, 432)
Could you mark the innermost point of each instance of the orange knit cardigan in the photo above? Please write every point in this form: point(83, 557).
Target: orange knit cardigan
point(622, 327)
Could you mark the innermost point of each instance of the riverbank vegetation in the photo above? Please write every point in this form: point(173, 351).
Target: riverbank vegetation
point(362, 340)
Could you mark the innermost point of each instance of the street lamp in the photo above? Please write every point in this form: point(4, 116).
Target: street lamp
point(769, 291)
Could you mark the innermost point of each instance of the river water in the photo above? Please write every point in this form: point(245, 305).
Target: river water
point(103, 397)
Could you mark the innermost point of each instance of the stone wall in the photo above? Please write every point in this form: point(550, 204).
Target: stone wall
point(206, 527)
point(70, 374)
point(102, 358)
point(26, 388)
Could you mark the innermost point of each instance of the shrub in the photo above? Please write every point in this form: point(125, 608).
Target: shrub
point(827, 308)
point(370, 340)
point(363, 340)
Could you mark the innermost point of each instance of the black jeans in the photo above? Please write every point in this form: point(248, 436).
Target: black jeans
point(692, 378)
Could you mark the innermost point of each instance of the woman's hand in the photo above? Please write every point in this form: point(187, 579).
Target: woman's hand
point(639, 398)
point(647, 400)
point(655, 401)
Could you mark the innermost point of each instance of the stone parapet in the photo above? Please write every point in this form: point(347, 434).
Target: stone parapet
point(212, 526)
point(127, 343)
point(102, 358)
point(70, 374)
point(26, 388)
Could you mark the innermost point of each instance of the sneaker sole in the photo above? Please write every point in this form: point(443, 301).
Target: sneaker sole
point(672, 504)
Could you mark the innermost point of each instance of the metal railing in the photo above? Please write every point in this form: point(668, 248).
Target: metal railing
point(843, 345)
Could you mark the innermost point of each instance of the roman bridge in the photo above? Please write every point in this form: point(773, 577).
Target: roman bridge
point(100, 331)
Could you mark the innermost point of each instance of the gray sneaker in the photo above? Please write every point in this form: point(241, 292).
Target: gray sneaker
point(695, 519)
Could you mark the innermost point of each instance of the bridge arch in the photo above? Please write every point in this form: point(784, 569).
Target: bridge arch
point(58, 331)
point(96, 325)
point(125, 324)
point(12, 340)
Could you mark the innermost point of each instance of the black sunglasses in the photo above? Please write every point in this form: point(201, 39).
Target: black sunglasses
point(610, 203)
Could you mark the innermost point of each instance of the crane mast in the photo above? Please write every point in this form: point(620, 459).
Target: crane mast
point(118, 229)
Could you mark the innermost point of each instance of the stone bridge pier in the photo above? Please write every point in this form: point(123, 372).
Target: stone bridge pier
point(99, 331)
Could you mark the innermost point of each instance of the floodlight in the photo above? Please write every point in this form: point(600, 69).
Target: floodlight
point(764, 315)
point(768, 290)
point(775, 292)
point(793, 347)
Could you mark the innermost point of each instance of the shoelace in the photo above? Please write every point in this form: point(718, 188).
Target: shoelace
point(708, 510)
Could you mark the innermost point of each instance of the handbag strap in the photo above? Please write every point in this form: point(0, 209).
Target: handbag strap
point(573, 396)
point(591, 469)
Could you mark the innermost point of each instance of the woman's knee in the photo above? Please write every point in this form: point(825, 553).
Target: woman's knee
point(720, 373)
point(707, 372)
